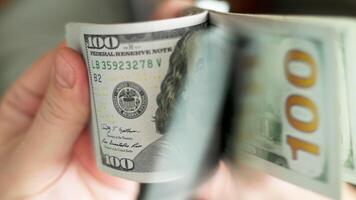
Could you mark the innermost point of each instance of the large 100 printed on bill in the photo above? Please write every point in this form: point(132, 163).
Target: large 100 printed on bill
point(295, 110)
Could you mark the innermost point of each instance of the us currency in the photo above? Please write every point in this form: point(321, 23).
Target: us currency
point(345, 28)
point(346, 31)
point(346, 39)
point(193, 128)
point(289, 124)
point(133, 70)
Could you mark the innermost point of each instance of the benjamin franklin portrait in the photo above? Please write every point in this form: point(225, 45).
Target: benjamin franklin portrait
point(183, 63)
point(171, 88)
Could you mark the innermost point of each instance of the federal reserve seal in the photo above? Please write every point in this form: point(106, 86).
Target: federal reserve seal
point(130, 100)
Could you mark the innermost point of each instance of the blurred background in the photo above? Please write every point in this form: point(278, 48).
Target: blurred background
point(29, 28)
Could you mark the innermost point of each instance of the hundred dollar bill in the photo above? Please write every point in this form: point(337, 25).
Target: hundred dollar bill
point(193, 128)
point(346, 28)
point(134, 71)
point(347, 39)
point(346, 32)
point(289, 123)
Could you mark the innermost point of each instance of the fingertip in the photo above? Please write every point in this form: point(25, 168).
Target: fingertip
point(172, 8)
point(70, 56)
point(76, 61)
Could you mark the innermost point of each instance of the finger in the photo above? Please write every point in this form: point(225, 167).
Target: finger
point(64, 111)
point(171, 8)
point(220, 186)
point(349, 191)
point(83, 153)
point(22, 100)
point(44, 151)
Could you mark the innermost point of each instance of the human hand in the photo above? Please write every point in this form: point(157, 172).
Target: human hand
point(171, 8)
point(45, 152)
point(252, 184)
point(44, 147)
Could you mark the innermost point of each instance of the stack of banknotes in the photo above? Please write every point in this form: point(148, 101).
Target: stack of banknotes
point(157, 90)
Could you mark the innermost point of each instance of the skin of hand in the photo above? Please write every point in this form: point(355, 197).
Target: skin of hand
point(250, 184)
point(45, 151)
point(45, 148)
point(171, 8)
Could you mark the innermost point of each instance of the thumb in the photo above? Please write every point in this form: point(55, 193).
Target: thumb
point(65, 108)
point(64, 111)
point(44, 151)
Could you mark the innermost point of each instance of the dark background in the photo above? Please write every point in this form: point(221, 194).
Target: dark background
point(310, 7)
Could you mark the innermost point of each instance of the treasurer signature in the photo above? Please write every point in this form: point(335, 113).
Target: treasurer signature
point(114, 129)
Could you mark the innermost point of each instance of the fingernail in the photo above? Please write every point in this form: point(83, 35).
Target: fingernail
point(65, 76)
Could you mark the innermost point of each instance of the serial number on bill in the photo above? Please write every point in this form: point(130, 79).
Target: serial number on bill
point(141, 64)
